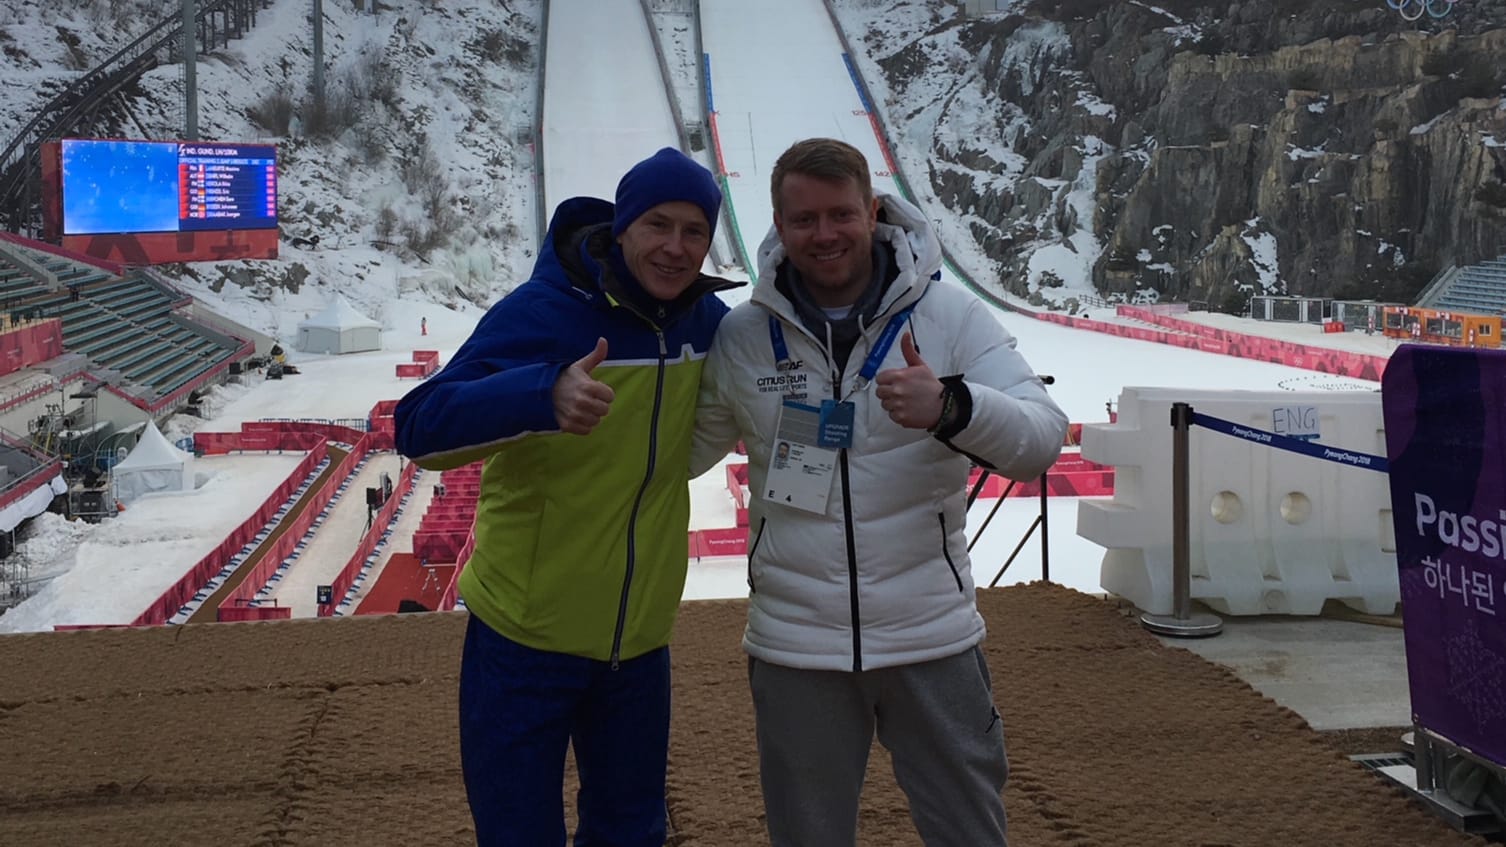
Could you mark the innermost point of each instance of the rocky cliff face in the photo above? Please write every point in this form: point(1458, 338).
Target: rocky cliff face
point(1227, 148)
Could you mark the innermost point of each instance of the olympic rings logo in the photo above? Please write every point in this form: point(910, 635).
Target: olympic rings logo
point(1412, 10)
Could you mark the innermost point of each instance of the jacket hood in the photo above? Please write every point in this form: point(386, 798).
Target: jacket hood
point(902, 226)
point(569, 217)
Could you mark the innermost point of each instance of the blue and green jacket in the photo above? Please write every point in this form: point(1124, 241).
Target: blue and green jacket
point(580, 540)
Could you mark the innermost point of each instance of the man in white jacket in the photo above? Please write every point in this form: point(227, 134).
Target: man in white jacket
point(886, 385)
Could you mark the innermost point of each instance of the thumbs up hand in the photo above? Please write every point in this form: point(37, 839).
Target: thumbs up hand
point(580, 401)
point(911, 394)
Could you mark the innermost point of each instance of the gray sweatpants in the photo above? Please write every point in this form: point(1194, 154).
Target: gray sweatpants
point(938, 721)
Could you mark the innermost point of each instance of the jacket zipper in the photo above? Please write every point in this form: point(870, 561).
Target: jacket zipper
point(852, 567)
point(941, 516)
point(632, 528)
point(762, 522)
point(852, 544)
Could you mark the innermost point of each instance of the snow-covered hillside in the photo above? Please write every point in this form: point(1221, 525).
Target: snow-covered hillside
point(416, 176)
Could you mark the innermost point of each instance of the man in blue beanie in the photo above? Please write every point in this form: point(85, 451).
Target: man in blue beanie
point(577, 394)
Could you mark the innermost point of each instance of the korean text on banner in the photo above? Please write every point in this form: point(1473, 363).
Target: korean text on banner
point(1445, 417)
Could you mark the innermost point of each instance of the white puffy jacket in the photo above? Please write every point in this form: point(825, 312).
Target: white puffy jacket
point(883, 578)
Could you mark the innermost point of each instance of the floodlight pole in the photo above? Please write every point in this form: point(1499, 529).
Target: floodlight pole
point(190, 74)
point(318, 21)
point(1183, 622)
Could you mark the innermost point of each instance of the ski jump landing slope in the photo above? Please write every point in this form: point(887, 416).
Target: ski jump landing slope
point(600, 116)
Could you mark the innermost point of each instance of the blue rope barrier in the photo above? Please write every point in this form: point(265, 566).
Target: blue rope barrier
point(1294, 445)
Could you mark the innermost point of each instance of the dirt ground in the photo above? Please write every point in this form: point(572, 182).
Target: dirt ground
point(342, 732)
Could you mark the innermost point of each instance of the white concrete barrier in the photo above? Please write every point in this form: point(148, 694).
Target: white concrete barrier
point(1271, 531)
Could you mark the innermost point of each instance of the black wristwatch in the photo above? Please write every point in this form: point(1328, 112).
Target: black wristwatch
point(956, 408)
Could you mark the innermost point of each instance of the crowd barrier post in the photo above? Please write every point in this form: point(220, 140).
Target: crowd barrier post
point(1183, 622)
point(1045, 524)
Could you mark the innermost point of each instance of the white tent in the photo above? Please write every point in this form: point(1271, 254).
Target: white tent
point(153, 465)
point(339, 329)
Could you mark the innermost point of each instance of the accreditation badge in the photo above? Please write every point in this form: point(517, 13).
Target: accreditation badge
point(800, 470)
point(836, 424)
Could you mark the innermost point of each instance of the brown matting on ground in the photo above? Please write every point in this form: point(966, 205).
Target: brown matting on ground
point(342, 731)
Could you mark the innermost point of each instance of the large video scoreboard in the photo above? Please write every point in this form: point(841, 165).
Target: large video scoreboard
point(148, 202)
point(226, 186)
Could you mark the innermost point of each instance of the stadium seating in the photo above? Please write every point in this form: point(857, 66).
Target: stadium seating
point(447, 522)
point(1480, 289)
point(127, 325)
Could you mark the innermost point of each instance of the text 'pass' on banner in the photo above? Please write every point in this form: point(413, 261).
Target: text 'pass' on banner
point(1445, 417)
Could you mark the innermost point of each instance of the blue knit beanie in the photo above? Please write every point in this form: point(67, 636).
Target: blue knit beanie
point(665, 177)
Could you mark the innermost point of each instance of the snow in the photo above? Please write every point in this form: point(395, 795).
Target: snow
point(1424, 128)
point(330, 547)
point(110, 572)
point(1072, 260)
point(1174, 19)
point(1263, 256)
point(473, 114)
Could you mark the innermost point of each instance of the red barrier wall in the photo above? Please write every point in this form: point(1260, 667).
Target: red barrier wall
point(452, 591)
point(1230, 343)
point(722, 542)
point(446, 526)
point(177, 594)
point(215, 443)
point(1071, 476)
point(254, 613)
point(342, 582)
point(425, 362)
point(381, 419)
point(285, 544)
point(285, 435)
point(31, 344)
point(262, 435)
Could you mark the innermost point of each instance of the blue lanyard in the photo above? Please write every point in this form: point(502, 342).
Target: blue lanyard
point(875, 356)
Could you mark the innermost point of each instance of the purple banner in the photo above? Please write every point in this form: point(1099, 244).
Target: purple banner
point(1445, 413)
